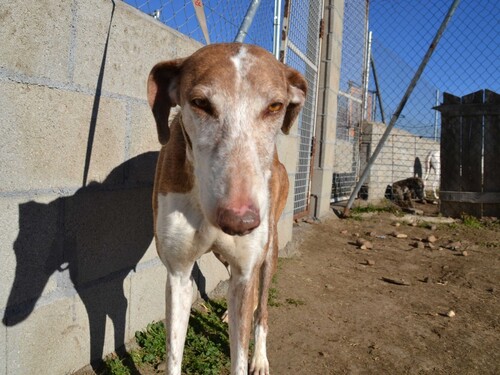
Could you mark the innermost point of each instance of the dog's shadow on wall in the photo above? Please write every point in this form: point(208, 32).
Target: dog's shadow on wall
point(98, 235)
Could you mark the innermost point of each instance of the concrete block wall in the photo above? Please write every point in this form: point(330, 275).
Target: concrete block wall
point(397, 159)
point(79, 272)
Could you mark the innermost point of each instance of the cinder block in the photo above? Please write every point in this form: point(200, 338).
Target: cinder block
point(51, 341)
point(3, 350)
point(29, 248)
point(147, 297)
point(45, 138)
point(288, 150)
point(143, 136)
point(136, 43)
point(107, 232)
point(285, 230)
point(35, 38)
point(212, 272)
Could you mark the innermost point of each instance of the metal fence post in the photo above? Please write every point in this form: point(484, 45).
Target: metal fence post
point(247, 21)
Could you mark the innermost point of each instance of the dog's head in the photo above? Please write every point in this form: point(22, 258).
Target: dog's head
point(234, 99)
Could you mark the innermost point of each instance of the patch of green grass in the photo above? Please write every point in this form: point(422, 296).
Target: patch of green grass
point(386, 206)
point(207, 342)
point(471, 222)
point(152, 344)
point(115, 366)
point(272, 297)
point(206, 351)
point(295, 302)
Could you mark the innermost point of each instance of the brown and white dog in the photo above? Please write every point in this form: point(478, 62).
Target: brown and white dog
point(219, 185)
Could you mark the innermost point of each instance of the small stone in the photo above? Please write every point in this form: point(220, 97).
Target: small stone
point(366, 245)
point(450, 314)
point(431, 239)
point(343, 231)
point(372, 234)
point(454, 245)
point(430, 246)
point(355, 234)
point(396, 224)
point(465, 253)
point(399, 235)
point(433, 227)
point(369, 262)
point(419, 245)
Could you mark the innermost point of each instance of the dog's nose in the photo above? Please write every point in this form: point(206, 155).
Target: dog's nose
point(238, 221)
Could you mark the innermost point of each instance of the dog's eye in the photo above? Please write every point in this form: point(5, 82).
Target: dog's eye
point(275, 107)
point(200, 103)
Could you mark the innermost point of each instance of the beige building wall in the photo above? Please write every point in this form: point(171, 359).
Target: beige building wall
point(79, 272)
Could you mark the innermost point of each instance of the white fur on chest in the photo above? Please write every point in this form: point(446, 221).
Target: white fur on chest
point(184, 234)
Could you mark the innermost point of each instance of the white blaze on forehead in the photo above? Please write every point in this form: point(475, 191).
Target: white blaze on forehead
point(242, 61)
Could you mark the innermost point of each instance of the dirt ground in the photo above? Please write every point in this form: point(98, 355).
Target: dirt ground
point(343, 311)
point(423, 302)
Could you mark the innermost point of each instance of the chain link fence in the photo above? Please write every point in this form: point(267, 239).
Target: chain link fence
point(466, 60)
point(223, 18)
point(350, 100)
point(302, 52)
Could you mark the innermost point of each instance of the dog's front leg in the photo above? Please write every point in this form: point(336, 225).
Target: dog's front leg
point(241, 297)
point(179, 293)
point(260, 364)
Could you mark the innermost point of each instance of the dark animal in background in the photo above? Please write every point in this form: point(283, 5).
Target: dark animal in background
point(404, 191)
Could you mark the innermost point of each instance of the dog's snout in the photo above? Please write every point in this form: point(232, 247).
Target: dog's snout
point(238, 221)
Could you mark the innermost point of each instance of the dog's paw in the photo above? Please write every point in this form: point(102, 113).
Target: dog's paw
point(259, 365)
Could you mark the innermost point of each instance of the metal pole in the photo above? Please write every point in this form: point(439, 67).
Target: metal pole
point(277, 29)
point(402, 104)
point(377, 87)
point(247, 21)
point(366, 77)
point(436, 117)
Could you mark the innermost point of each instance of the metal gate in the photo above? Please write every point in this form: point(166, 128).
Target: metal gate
point(302, 52)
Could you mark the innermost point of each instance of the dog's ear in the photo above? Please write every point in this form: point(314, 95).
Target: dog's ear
point(297, 91)
point(163, 94)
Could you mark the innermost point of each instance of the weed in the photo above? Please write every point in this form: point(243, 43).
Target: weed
point(115, 366)
point(272, 298)
point(471, 221)
point(207, 342)
point(295, 302)
point(152, 343)
point(386, 206)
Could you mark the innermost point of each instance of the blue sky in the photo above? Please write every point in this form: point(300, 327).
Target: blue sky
point(467, 58)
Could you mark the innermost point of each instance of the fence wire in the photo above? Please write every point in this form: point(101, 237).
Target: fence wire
point(224, 18)
point(465, 61)
point(302, 52)
point(350, 100)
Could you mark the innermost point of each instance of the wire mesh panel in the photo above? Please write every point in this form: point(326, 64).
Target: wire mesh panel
point(466, 60)
point(302, 52)
point(350, 101)
point(223, 18)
